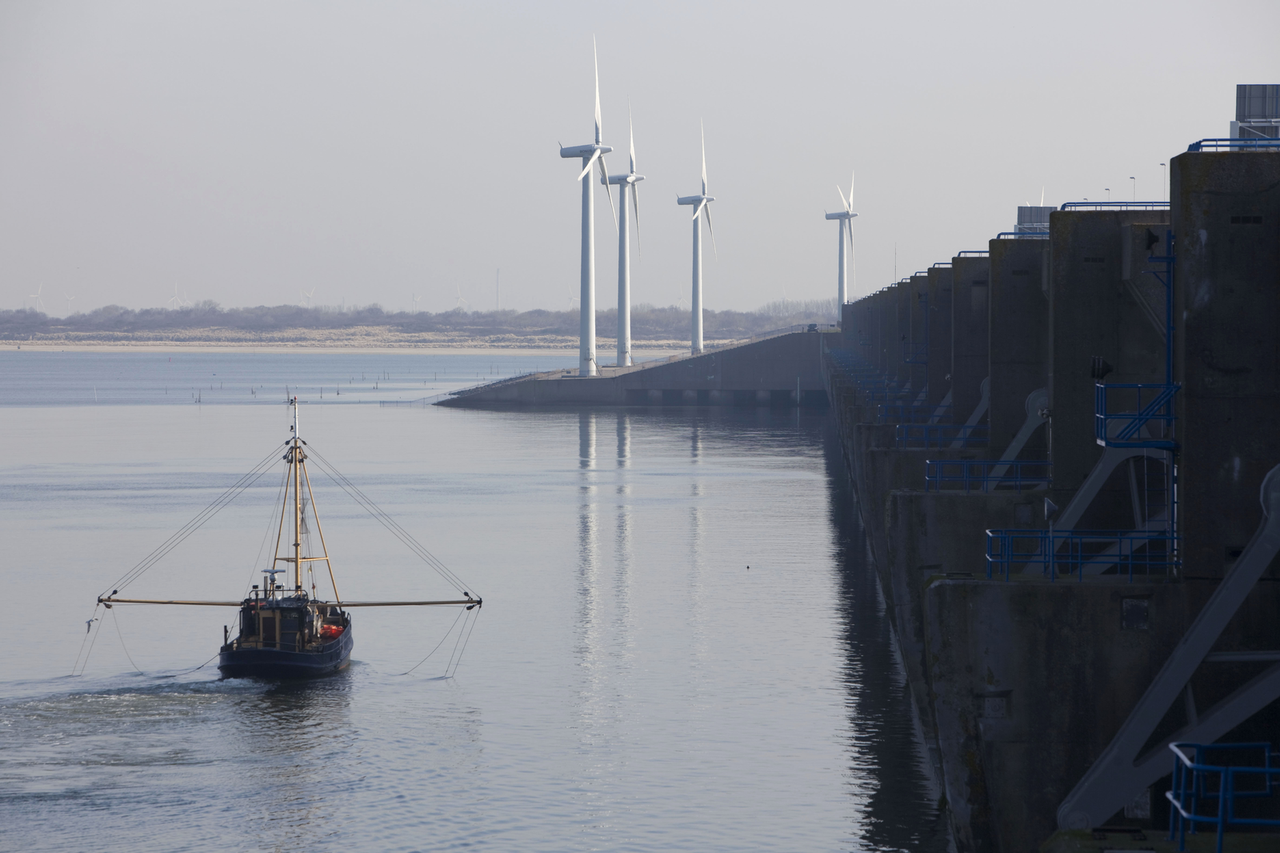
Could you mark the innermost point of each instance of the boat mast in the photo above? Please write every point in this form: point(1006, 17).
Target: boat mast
point(297, 501)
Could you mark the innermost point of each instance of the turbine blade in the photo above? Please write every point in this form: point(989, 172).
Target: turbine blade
point(604, 179)
point(852, 276)
point(586, 170)
point(595, 57)
point(632, 130)
point(852, 175)
point(635, 203)
point(698, 209)
point(703, 131)
point(713, 232)
point(842, 201)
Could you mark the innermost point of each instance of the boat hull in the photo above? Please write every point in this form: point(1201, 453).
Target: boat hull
point(328, 659)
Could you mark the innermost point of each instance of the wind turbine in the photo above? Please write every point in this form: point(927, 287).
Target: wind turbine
point(701, 201)
point(589, 153)
point(174, 301)
point(68, 298)
point(307, 294)
point(416, 300)
point(462, 302)
point(36, 297)
point(624, 182)
point(846, 224)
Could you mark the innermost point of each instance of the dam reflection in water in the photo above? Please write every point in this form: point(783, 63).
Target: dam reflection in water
point(892, 804)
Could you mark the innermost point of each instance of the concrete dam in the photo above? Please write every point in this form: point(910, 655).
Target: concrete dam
point(1064, 447)
point(782, 368)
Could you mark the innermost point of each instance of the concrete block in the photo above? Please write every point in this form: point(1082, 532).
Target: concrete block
point(1227, 224)
point(969, 335)
point(1092, 313)
point(938, 373)
point(1018, 349)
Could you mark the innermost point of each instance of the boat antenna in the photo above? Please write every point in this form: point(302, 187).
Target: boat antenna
point(297, 501)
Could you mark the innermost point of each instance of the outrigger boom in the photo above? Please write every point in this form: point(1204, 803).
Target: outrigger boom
point(469, 602)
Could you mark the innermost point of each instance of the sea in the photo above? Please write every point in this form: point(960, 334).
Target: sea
point(682, 645)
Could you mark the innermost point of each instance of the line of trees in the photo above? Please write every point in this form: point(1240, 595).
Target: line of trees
point(648, 322)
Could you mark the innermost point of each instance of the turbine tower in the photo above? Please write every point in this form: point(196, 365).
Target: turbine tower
point(589, 153)
point(624, 182)
point(701, 203)
point(846, 224)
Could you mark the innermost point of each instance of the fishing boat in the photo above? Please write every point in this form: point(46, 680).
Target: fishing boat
point(285, 630)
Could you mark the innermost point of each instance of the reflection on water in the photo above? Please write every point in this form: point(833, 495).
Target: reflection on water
point(622, 537)
point(898, 806)
point(300, 739)
point(272, 755)
point(588, 535)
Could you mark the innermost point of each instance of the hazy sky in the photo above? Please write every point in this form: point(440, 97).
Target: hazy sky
point(371, 151)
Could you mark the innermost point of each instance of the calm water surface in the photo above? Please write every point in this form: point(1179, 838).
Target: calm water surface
point(629, 684)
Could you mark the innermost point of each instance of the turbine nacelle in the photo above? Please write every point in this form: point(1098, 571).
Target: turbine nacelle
point(694, 199)
point(583, 150)
point(624, 179)
point(842, 215)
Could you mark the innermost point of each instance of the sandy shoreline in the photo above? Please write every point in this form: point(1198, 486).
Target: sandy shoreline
point(302, 341)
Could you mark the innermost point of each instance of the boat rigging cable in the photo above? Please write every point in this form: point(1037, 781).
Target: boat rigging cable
point(353, 491)
point(266, 535)
point(169, 544)
point(116, 621)
point(195, 523)
point(461, 613)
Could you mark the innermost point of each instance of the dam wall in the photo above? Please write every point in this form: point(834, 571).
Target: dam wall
point(784, 369)
point(1072, 547)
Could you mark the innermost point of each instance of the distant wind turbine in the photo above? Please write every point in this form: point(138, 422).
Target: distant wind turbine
point(36, 297)
point(462, 302)
point(702, 202)
point(625, 182)
point(846, 217)
point(589, 153)
point(68, 298)
point(175, 301)
point(416, 300)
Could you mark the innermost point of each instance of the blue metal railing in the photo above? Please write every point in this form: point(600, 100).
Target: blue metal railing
point(888, 394)
point(978, 475)
point(1065, 553)
point(1149, 404)
point(903, 413)
point(936, 436)
point(1233, 144)
point(1207, 793)
point(1115, 205)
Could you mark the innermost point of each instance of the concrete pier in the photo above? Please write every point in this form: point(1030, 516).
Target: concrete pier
point(783, 369)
